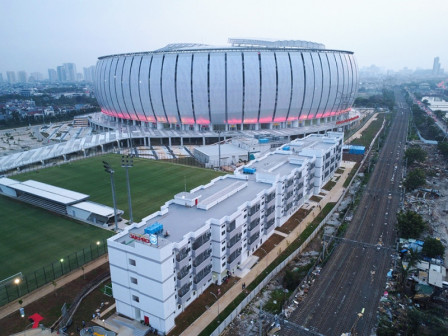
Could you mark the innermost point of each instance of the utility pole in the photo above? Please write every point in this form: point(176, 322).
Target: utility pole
point(109, 170)
point(127, 162)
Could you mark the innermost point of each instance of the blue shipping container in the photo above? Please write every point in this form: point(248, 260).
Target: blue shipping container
point(247, 170)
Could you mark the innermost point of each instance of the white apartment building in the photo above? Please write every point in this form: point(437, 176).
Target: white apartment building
point(160, 265)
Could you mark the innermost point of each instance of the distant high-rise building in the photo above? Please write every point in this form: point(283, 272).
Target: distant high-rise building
point(1, 78)
point(52, 75)
point(70, 72)
point(11, 75)
point(62, 76)
point(35, 77)
point(436, 66)
point(22, 77)
point(89, 73)
point(79, 77)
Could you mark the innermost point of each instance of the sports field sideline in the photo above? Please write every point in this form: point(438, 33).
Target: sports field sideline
point(31, 237)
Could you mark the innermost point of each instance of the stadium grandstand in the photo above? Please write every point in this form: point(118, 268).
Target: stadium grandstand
point(59, 200)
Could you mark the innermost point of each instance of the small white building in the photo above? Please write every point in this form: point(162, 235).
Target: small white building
point(229, 154)
point(160, 265)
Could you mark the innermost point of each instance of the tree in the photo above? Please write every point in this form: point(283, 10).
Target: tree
point(433, 248)
point(415, 178)
point(291, 280)
point(54, 283)
point(443, 148)
point(413, 154)
point(410, 224)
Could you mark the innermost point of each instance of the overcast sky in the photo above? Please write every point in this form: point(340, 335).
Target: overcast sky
point(39, 34)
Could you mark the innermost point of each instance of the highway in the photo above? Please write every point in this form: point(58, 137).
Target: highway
point(355, 275)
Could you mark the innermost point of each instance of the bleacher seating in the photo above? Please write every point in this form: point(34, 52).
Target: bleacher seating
point(42, 203)
point(80, 122)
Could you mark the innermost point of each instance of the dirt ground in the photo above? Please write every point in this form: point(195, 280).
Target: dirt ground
point(433, 206)
point(352, 157)
point(50, 306)
point(294, 221)
point(268, 245)
point(201, 304)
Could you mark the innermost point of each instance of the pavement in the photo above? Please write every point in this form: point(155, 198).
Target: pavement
point(209, 315)
point(39, 293)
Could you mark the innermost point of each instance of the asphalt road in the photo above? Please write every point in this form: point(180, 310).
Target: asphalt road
point(355, 275)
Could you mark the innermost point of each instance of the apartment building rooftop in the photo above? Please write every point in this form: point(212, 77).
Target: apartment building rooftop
point(189, 211)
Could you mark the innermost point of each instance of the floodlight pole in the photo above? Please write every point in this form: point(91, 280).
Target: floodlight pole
point(219, 149)
point(127, 162)
point(109, 170)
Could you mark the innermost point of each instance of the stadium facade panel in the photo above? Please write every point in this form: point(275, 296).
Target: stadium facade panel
point(241, 84)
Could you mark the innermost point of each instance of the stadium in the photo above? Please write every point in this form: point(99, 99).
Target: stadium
point(248, 85)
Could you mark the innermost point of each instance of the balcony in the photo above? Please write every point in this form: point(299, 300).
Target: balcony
point(231, 226)
point(182, 254)
point(233, 259)
point(253, 238)
point(202, 274)
point(254, 224)
point(181, 282)
point(234, 247)
point(235, 239)
point(183, 272)
point(184, 289)
point(202, 257)
point(201, 240)
point(234, 232)
point(202, 278)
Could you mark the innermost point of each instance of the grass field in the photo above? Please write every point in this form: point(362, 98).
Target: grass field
point(152, 182)
point(32, 237)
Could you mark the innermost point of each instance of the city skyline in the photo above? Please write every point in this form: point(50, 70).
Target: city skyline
point(83, 31)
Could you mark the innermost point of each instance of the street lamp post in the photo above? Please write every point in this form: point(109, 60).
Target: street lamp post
point(216, 301)
point(17, 282)
point(62, 267)
point(109, 170)
point(98, 248)
point(127, 162)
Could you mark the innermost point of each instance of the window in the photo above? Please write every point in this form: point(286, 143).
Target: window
point(223, 264)
point(223, 248)
point(223, 232)
point(132, 262)
point(135, 298)
point(134, 280)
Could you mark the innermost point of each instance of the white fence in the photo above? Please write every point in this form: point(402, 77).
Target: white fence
point(269, 277)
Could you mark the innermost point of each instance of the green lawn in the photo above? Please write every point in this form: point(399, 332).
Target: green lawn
point(152, 182)
point(369, 133)
point(32, 237)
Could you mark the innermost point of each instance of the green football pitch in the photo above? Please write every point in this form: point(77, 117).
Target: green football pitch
point(32, 237)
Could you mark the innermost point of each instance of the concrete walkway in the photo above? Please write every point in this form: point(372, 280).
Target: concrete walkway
point(37, 294)
point(332, 196)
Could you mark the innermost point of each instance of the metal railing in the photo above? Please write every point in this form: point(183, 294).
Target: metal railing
point(31, 281)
